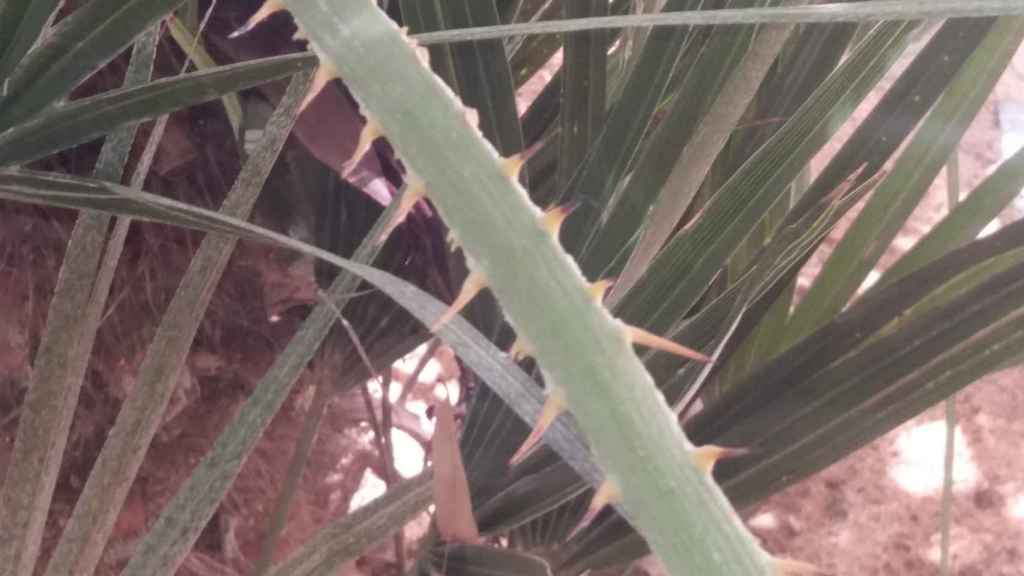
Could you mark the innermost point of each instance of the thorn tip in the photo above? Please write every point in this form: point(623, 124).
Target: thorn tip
point(607, 493)
point(472, 286)
point(645, 338)
point(599, 288)
point(512, 165)
point(451, 241)
point(367, 135)
point(414, 192)
point(269, 7)
point(706, 456)
point(555, 216)
point(519, 350)
point(553, 407)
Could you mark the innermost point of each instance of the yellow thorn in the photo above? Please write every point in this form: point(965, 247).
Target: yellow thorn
point(415, 191)
point(370, 132)
point(452, 241)
point(472, 286)
point(600, 288)
point(787, 567)
point(519, 350)
point(706, 456)
point(512, 165)
point(607, 493)
point(553, 407)
point(324, 74)
point(645, 338)
point(554, 217)
point(269, 7)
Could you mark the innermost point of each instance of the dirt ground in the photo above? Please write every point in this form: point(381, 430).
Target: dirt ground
point(878, 511)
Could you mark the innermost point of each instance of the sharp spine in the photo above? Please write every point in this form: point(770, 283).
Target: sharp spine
point(607, 493)
point(553, 407)
point(706, 456)
point(266, 10)
point(474, 283)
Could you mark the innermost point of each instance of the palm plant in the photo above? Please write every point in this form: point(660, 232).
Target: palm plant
point(687, 148)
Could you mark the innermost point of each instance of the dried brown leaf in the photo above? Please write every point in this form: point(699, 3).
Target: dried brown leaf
point(454, 510)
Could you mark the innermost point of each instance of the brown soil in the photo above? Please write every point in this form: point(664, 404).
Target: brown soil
point(878, 511)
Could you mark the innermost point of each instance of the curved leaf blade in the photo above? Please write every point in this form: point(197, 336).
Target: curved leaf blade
point(584, 69)
point(967, 219)
point(863, 11)
point(748, 195)
point(902, 107)
point(346, 538)
point(483, 75)
point(885, 213)
point(95, 513)
point(696, 160)
point(203, 61)
point(529, 497)
point(61, 363)
point(86, 40)
point(82, 120)
point(743, 405)
point(898, 375)
point(514, 387)
point(467, 560)
point(699, 86)
point(616, 146)
point(21, 24)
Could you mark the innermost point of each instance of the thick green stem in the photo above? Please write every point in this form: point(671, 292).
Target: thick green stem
point(675, 504)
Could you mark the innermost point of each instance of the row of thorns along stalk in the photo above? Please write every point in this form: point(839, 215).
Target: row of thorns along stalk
point(551, 220)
